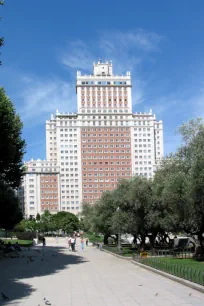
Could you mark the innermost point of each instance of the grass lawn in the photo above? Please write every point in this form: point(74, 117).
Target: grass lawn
point(187, 263)
point(93, 237)
point(20, 242)
point(126, 251)
point(189, 269)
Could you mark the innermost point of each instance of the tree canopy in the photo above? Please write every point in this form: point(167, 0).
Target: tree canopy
point(12, 148)
point(64, 221)
point(10, 213)
point(173, 201)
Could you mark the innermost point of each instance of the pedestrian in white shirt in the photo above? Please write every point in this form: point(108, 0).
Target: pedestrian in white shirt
point(73, 244)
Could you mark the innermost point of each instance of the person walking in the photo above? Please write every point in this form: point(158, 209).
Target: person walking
point(100, 246)
point(87, 241)
point(73, 244)
point(69, 243)
point(82, 244)
point(44, 241)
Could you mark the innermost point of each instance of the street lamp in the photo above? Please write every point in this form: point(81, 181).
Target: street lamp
point(119, 234)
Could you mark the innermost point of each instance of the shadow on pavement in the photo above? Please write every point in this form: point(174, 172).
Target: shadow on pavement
point(36, 262)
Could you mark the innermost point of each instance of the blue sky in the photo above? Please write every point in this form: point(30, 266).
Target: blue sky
point(46, 41)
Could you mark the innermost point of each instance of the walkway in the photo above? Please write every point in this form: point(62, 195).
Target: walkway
point(91, 278)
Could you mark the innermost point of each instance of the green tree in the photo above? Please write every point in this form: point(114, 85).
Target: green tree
point(38, 217)
point(66, 221)
point(12, 146)
point(139, 205)
point(191, 153)
point(10, 213)
point(103, 215)
point(86, 217)
point(179, 185)
point(120, 222)
point(122, 210)
point(26, 226)
point(11, 166)
point(170, 194)
point(46, 222)
point(120, 214)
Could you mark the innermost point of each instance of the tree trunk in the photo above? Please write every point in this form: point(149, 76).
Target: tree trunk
point(105, 239)
point(151, 240)
point(142, 245)
point(134, 241)
point(200, 238)
point(115, 239)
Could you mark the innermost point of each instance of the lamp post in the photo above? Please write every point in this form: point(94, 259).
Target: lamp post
point(119, 234)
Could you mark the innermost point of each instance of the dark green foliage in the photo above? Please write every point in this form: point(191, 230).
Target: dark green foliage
point(38, 217)
point(26, 226)
point(12, 146)
point(172, 202)
point(10, 213)
point(11, 165)
point(26, 235)
point(47, 222)
point(66, 221)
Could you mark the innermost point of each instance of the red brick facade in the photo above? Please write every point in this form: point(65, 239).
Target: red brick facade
point(49, 197)
point(106, 158)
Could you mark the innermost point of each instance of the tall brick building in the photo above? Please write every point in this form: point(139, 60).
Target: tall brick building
point(104, 141)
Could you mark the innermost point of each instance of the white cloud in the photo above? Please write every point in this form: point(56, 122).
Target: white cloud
point(186, 101)
point(77, 56)
point(127, 50)
point(164, 103)
point(137, 39)
point(40, 98)
point(37, 98)
point(138, 91)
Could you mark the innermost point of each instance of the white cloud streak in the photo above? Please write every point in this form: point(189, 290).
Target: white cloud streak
point(127, 50)
point(37, 98)
point(41, 98)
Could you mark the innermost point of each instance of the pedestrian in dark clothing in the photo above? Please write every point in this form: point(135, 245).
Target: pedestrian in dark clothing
point(73, 244)
point(9, 248)
point(44, 241)
point(17, 247)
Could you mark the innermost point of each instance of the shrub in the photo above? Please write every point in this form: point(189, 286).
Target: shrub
point(26, 235)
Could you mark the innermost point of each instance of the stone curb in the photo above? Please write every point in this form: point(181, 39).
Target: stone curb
point(172, 277)
point(116, 255)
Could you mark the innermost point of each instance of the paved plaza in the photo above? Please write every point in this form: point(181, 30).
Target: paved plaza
point(89, 278)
